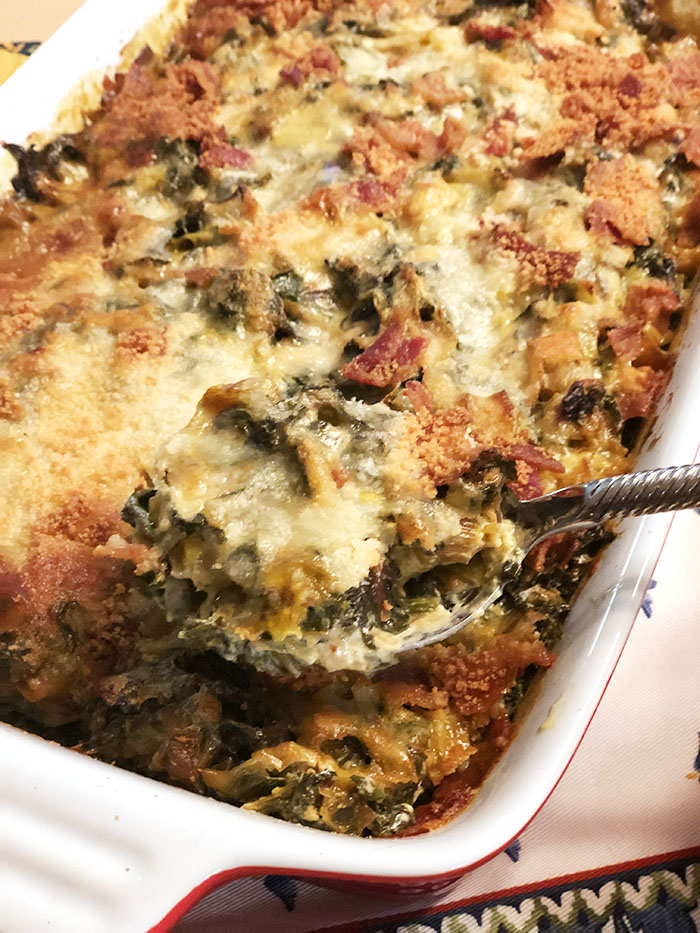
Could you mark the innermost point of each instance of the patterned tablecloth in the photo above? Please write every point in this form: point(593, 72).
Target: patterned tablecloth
point(616, 849)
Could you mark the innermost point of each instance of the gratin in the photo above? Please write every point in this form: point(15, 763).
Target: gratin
point(414, 259)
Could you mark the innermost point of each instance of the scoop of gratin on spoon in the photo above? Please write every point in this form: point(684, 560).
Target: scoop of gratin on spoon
point(291, 530)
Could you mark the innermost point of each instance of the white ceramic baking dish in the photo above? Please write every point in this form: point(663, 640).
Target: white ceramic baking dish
point(87, 846)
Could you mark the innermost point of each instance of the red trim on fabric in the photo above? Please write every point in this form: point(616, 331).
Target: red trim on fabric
point(377, 882)
point(587, 875)
point(365, 882)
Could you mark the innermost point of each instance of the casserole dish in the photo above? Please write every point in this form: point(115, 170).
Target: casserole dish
point(90, 796)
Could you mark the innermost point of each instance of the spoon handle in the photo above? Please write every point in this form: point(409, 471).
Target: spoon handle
point(663, 490)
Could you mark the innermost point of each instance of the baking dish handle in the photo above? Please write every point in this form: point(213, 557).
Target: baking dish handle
point(88, 847)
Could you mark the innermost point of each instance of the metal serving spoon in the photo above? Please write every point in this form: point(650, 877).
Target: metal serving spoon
point(577, 508)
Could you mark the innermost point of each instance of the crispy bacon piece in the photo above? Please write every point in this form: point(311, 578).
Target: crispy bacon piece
point(292, 74)
point(371, 152)
point(418, 396)
point(367, 194)
point(535, 457)
point(643, 368)
point(630, 86)
point(201, 276)
point(393, 357)
point(387, 148)
point(529, 462)
point(409, 137)
point(543, 266)
point(499, 134)
point(488, 32)
point(648, 306)
point(652, 303)
point(638, 389)
point(187, 96)
point(435, 91)
point(627, 341)
point(649, 353)
point(478, 679)
point(626, 201)
point(528, 484)
point(217, 153)
point(453, 135)
point(376, 195)
point(321, 58)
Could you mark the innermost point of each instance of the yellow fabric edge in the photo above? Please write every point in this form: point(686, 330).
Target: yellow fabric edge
point(9, 63)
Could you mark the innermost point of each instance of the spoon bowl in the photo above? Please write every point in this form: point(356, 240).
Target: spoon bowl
point(571, 509)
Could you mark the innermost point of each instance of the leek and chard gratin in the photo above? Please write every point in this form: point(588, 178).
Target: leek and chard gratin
point(318, 291)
